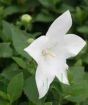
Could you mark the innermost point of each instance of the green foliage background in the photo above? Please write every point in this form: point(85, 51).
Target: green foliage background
point(17, 68)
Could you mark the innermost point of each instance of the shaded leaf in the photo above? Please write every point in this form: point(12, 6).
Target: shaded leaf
point(30, 90)
point(5, 50)
point(6, 32)
point(44, 16)
point(77, 91)
point(48, 103)
point(10, 71)
point(20, 62)
point(11, 10)
point(76, 74)
point(49, 3)
point(3, 102)
point(4, 96)
point(15, 87)
point(83, 29)
point(19, 41)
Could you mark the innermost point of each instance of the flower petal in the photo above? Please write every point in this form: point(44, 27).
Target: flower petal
point(43, 81)
point(62, 74)
point(61, 67)
point(60, 26)
point(74, 44)
point(47, 69)
point(36, 47)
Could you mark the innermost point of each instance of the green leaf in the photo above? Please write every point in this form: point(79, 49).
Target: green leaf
point(64, 7)
point(3, 102)
point(48, 103)
point(5, 50)
point(4, 96)
point(6, 31)
point(24, 103)
point(85, 102)
point(19, 41)
point(79, 14)
point(15, 87)
point(44, 16)
point(77, 91)
point(30, 90)
point(11, 10)
point(1, 13)
point(10, 71)
point(78, 63)
point(83, 29)
point(3, 84)
point(76, 74)
point(20, 62)
point(7, 2)
point(49, 3)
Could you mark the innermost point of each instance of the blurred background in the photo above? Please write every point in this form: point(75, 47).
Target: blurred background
point(21, 22)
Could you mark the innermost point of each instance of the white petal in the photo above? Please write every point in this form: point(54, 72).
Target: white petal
point(36, 47)
point(73, 44)
point(62, 67)
point(47, 69)
point(43, 81)
point(60, 26)
point(62, 74)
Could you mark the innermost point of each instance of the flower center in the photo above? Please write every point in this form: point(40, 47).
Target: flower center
point(48, 53)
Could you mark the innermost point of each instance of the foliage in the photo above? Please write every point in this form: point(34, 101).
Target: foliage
point(17, 68)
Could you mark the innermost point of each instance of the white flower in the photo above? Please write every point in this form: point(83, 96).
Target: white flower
point(51, 51)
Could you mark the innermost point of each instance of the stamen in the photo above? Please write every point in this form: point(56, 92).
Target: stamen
point(47, 52)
